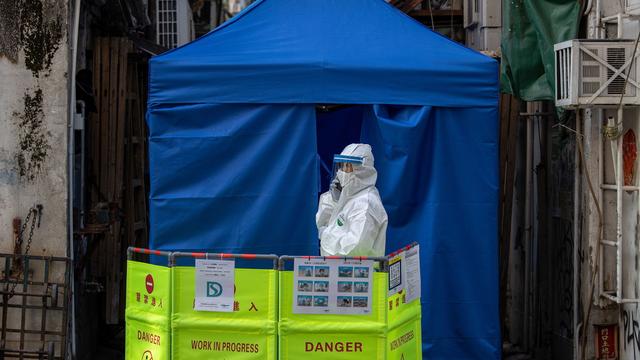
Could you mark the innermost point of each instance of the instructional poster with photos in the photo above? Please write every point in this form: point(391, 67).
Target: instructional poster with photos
point(332, 286)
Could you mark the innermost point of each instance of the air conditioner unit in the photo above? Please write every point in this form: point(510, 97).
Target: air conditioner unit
point(632, 7)
point(592, 73)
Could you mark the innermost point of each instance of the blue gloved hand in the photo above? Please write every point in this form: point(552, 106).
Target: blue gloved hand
point(335, 189)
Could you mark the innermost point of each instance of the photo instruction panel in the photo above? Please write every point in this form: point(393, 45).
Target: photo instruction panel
point(332, 286)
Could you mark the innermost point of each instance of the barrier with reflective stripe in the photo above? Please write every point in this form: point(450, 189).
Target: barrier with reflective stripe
point(148, 308)
point(249, 332)
point(161, 322)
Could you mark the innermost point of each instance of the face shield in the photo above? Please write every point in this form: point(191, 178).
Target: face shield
point(343, 165)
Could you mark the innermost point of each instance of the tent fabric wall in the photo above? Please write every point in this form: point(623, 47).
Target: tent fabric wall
point(336, 129)
point(438, 178)
point(229, 178)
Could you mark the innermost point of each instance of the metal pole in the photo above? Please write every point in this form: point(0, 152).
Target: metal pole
point(576, 229)
point(598, 20)
point(619, 182)
point(83, 111)
point(620, 30)
point(70, 166)
point(600, 260)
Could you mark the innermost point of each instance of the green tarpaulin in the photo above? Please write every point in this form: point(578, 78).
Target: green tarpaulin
point(530, 29)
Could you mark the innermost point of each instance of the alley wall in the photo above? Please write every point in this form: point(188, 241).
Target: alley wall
point(33, 120)
point(33, 150)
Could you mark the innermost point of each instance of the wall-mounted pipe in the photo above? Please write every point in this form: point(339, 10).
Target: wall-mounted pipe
point(587, 8)
point(83, 112)
point(619, 183)
point(70, 168)
point(598, 21)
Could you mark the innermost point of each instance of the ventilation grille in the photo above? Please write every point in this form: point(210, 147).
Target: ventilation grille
point(591, 71)
point(563, 73)
point(587, 57)
point(615, 58)
point(590, 87)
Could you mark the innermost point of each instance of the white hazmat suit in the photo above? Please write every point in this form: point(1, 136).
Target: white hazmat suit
point(355, 224)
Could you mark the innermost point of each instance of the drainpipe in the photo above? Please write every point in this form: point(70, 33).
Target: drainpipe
point(82, 128)
point(70, 168)
point(598, 21)
point(620, 30)
point(576, 232)
point(587, 8)
point(619, 183)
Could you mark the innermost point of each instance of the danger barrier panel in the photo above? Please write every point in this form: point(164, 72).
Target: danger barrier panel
point(148, 308)
point(321, 336)
point(248, 332)
point(161, 322)
point(392, 330)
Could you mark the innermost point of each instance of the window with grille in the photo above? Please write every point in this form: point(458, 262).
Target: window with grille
point(167, 23)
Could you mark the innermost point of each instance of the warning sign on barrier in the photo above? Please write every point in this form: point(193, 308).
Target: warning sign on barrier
point(148, 307)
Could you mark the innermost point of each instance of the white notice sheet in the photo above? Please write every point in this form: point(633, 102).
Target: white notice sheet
point(412, 266)
point(215, 280)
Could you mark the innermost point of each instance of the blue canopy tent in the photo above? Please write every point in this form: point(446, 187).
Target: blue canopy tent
point(236, 147)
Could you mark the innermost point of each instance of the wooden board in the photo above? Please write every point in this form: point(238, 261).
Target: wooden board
point(108, 157)
point(509, 119)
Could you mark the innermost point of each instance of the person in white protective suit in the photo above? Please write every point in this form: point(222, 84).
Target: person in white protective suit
point(351, 220)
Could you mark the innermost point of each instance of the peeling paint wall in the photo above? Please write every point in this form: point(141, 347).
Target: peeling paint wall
point(33, 119)
point(33, 124)
point(33, 133)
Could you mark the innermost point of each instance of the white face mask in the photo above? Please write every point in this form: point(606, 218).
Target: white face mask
point(344, 178)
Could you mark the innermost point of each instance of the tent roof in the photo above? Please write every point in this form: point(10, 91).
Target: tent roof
point(324, 51)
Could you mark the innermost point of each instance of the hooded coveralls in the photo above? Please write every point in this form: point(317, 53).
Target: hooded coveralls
point(355, 225)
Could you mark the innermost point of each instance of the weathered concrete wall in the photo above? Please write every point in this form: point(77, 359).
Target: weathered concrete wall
point(33, 120)
point(33, 139)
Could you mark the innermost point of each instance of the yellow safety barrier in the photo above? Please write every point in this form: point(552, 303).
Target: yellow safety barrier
point(323, 336)
point(392, 330)
point(161, 322)
point(148, 309)
point(249, 332)
point(404, 335)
